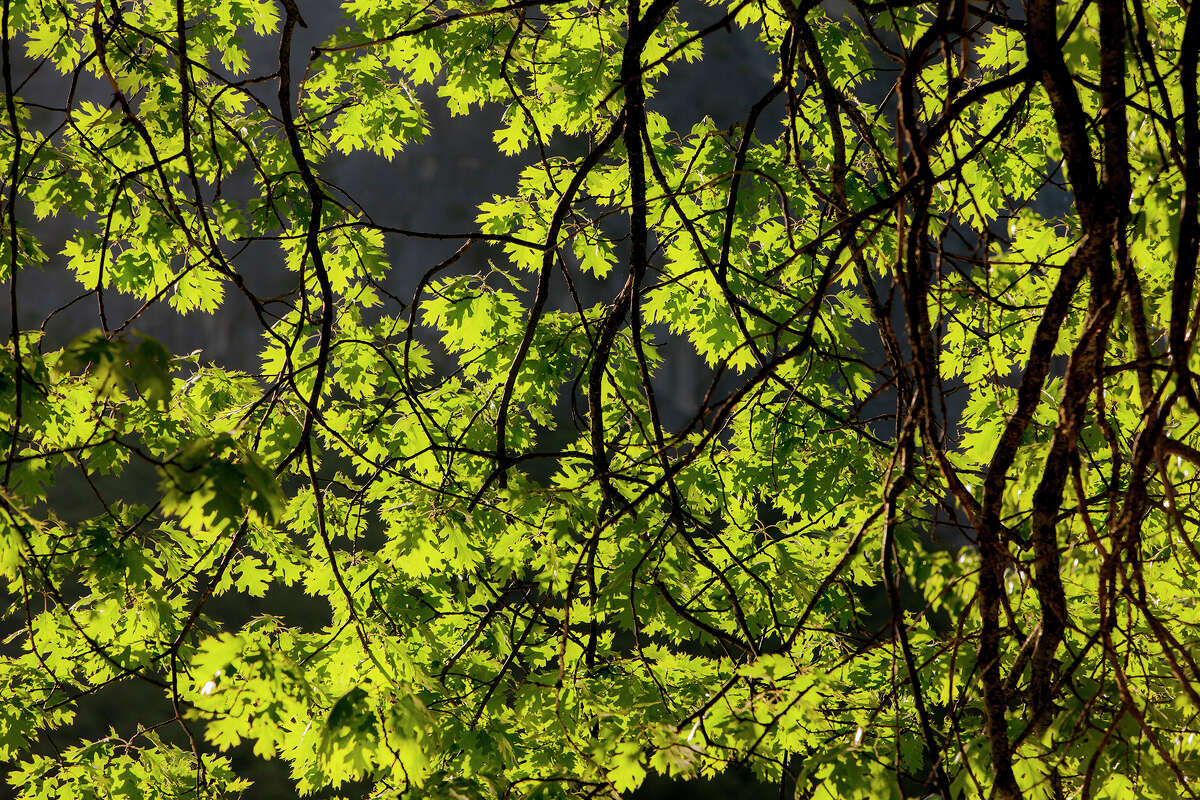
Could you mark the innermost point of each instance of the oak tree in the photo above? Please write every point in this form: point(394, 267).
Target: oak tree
point(931, 530)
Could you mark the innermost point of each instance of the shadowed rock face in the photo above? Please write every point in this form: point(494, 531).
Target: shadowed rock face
point(434, 185)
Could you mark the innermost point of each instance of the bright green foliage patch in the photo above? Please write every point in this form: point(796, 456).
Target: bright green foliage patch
point(931, 531)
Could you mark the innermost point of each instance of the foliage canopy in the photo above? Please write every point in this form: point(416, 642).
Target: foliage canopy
point(932, 531)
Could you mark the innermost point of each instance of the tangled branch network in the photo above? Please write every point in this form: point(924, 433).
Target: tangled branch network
point(852, 445)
